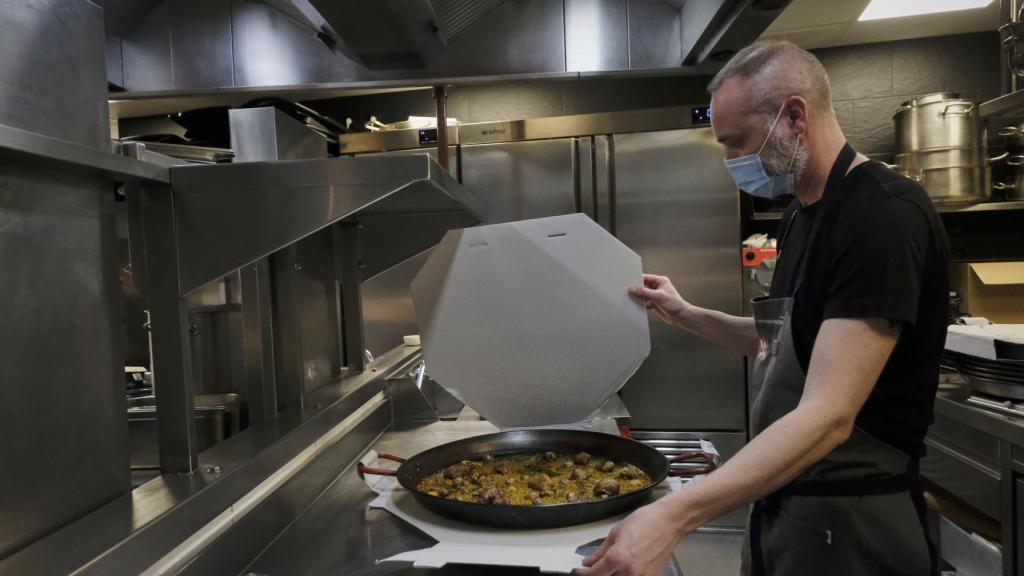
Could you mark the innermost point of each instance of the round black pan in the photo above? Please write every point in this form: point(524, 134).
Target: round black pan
point(600, 445)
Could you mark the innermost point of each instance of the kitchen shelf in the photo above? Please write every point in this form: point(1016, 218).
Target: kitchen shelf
point(1007, 105)
point(983, 207)
point(980, 207)
point(23, 145)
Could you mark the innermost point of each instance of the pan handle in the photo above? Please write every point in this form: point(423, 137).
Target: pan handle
point(362, 469)
point(709, 464)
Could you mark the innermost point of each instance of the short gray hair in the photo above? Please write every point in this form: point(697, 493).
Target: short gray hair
point(776, 70)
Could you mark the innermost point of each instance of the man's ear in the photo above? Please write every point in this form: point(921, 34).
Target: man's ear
point(796, 114)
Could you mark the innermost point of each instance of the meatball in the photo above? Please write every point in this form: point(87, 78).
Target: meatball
point(606, 487)
point(549, 456)
point(608, 466)
point(578, 474)
point(581, 458)
point(457, 471)
point(539, 482)
point(571, 497)
point(630, 472)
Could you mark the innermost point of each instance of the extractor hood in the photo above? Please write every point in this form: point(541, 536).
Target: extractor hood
point(285, 44)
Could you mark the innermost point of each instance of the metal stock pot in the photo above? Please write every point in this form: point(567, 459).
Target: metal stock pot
point(941, 143)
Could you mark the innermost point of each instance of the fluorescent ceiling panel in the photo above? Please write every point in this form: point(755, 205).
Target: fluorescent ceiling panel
point(880, 9)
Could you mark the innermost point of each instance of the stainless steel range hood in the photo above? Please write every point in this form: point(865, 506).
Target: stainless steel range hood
point(230, 215)
point(290, 43)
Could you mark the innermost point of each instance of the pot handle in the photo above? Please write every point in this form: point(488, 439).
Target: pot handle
point(1015, 160)
point(708, 467)
point(1001, 157)
point(1009, 131)
point(362, 469)
point(1002, 186)
point(964, 112)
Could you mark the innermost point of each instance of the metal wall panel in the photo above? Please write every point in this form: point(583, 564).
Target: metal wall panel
point(64, 447)
point(654, 35)
point(596, 35)
point(201, 44)
point(272, 49)
point(146, 51)
point(62, 410)
point(387, 305)
point(521, 36)
point(52, 70)
point(677, 207)
point(521, 180)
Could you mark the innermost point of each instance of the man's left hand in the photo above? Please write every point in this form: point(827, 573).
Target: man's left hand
point(640, 545)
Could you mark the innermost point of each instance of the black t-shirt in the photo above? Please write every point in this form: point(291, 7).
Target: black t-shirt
point(879, 251)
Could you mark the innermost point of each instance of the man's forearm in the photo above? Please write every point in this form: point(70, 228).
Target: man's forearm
point(771, 460)
point(736, 333)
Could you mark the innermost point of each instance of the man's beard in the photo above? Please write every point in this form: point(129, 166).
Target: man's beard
point(778, 153)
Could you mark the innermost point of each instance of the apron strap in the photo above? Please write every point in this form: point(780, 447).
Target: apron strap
point(910, 481)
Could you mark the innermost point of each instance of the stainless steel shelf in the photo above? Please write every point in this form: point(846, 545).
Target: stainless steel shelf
point(984, 207)
point(22, 145)
point(981, 207)
point(1007, 105)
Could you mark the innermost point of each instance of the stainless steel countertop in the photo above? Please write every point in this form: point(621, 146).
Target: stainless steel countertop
point(338, 535)
point(1001, 426)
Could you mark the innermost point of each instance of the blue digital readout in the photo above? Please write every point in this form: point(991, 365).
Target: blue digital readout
point(700, 115)
point(428, 136)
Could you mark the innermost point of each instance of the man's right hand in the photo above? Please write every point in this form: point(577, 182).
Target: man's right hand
point(658, 294)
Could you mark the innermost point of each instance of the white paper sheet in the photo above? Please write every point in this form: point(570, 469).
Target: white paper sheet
point(979, 340)
point(551, 550)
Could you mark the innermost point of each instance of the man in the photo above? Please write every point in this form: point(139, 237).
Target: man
point(846, 346)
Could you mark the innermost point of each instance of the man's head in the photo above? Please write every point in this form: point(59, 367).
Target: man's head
point(765, 81)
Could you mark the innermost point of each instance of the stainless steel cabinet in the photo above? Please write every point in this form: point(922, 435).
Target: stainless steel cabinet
point(1019, 523)
point(522, 180)
point(677, 207)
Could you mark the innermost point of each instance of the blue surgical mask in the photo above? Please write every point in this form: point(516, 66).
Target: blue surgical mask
point(750, 176)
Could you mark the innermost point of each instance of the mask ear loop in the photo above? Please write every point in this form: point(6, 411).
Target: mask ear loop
point(771, 129)
point(793, 159)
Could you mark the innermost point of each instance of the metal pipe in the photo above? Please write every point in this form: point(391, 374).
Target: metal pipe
point(442, 126)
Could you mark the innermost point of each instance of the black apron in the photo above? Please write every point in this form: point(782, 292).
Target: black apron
point(859, 510)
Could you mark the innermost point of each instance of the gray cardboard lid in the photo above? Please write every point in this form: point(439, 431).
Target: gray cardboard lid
point(530, 323)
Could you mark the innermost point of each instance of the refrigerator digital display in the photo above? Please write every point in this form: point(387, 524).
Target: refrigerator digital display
point(700, 115)
point(428, 136)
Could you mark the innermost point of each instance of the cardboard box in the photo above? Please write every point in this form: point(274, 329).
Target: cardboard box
point(994, 290)
point(530, 323)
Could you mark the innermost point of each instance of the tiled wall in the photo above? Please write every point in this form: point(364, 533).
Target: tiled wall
point(868, 84)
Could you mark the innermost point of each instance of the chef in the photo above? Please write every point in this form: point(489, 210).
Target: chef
point(845, 348)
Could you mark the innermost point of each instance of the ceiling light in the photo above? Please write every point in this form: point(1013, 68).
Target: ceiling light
point(879, 9)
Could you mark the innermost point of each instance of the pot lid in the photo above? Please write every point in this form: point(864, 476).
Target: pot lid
point(530, 323)
point(934, 98)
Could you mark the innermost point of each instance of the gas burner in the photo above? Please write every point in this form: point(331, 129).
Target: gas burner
point(1000, 405)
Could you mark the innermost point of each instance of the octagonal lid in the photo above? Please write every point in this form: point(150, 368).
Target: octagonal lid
point(530, 323)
